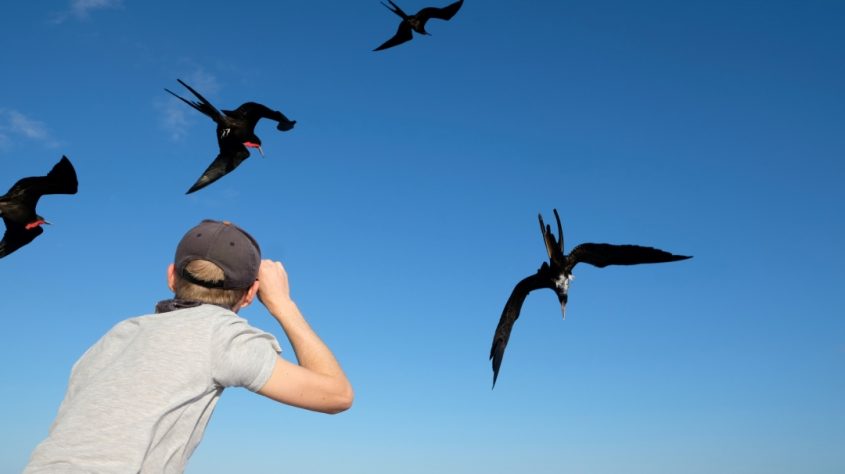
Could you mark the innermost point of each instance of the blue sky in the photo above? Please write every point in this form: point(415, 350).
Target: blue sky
point(404, 207)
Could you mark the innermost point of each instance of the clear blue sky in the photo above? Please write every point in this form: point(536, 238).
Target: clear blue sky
point(404, 207)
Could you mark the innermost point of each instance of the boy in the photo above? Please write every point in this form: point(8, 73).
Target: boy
point(140, 398)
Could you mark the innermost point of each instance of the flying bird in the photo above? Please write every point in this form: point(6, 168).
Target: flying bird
point(417, 22)
point(235, 133)
point(557, 274)
point(17, 206)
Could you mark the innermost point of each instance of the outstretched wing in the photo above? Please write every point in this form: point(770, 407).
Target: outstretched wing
point(251, 112)
point(60, 180)
point(403, 34)
point(602, 255)
point(445, 13)
point(510, 314)
point(17, 236)
point(203, 105)
point(229, 158)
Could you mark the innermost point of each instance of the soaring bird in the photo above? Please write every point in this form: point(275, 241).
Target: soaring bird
point(18, 205)
point(235, 133)
point(557, 274)
point(417, 22)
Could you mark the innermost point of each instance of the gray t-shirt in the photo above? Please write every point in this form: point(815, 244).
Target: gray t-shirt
point(140, 398)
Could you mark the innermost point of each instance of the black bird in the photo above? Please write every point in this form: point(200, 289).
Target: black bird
point(235, 133)
point(557, 273)
point(417, 22)
point(18, 205)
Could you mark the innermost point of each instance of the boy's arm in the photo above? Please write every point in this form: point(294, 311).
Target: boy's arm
point(317, 383)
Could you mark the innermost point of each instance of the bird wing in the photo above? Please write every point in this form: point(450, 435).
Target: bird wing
point(17, 236)
point(60, 180)
point(445, 13)
point(203, 105)
point(403, 34)
point(510, 314)
point(230, 157)
point(252, 112)
point(602, 255)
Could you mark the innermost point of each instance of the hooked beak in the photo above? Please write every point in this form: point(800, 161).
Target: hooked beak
point(563, 299)
point(260, 150)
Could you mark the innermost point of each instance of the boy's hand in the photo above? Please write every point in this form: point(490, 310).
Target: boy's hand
point(273, 289)
point(317, 382)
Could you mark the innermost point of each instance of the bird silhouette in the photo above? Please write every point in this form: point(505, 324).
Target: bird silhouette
point(416, 22)
point(235, 133)
point(557, 274)
point(17, 206)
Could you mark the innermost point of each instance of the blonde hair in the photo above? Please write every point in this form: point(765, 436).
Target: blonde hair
point(206, 271)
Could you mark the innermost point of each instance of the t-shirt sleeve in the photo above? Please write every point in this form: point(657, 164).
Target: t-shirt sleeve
point(242, 356)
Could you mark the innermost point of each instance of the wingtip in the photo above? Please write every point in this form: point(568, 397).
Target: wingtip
point(286, 126)
point(65, 161)
point(496, 353)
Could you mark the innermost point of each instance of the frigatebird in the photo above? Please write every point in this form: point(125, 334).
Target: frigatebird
point(17, 206)
point(235, 133)
point(417, 22)
point(557, 274)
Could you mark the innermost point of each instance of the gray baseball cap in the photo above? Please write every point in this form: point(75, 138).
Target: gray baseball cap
point(227, 246)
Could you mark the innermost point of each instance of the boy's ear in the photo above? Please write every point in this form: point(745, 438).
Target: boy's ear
point(171, 278)
point(250, 295)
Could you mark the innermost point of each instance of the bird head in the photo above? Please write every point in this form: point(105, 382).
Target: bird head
point(418, 25)
point(562, 290)
point(255, 142)
point(39, 221)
